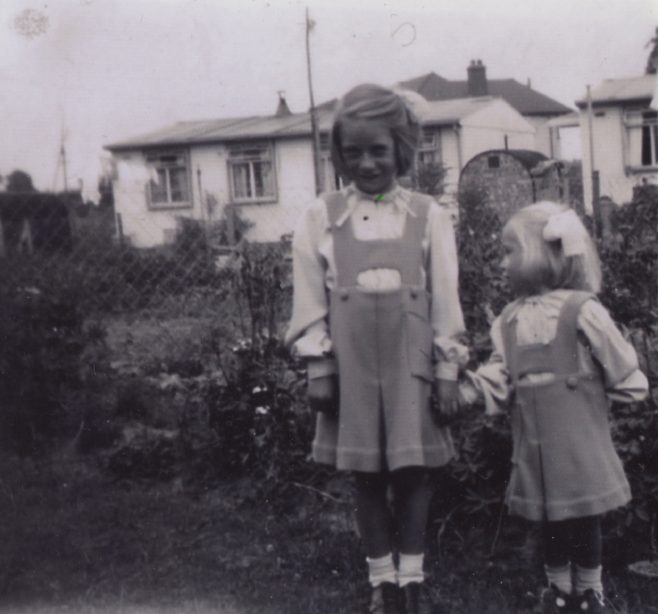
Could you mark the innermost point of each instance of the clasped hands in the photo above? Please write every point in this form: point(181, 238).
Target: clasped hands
point(323, 397)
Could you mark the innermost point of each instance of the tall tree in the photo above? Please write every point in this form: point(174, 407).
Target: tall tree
point(19, 181)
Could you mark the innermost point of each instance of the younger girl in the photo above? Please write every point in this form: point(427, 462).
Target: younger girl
point(558, 357)
point(375, 312)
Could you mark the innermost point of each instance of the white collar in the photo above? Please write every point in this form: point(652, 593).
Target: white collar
point(398, 196)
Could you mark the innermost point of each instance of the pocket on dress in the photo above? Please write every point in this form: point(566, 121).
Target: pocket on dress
point(419, 336)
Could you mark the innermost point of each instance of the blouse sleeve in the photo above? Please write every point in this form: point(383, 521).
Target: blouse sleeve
point(490, 382)
point(623, 379)
point(308, 331)
point(447, 317)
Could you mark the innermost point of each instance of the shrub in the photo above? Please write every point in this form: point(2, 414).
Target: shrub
point(630, 270)
point(247, 416)
point(48, 349)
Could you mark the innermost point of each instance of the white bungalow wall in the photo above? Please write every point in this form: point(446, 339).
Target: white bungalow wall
point(487, 128)
point(611, 156)
point(295, 182)
point(148, 227)
point(140, 225)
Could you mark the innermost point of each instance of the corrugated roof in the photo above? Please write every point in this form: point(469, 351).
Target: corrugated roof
point(298, 124)
point(219, 130)
point(523, 98)
point(620, 90)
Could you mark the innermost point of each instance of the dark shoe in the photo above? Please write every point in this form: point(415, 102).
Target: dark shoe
point(555, 601)
point(385, 599)
point(417, 599)
point(591, 602)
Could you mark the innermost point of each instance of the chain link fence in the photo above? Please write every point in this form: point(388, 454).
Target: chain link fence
point(156, 301)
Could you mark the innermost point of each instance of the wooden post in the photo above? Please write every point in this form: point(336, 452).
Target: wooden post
point(314, 120)
point(596, 215)
point(596, 209)
point(230, 224)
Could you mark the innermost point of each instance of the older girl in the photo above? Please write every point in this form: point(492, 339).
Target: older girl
point(558, 359)
point(375, 314)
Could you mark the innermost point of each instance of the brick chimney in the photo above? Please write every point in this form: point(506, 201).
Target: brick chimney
point(282, 109)
point(477, 79)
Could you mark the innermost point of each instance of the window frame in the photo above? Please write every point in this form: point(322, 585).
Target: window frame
point(234, 158)
point(637, 123)
point(430, 147)
point(157, 160)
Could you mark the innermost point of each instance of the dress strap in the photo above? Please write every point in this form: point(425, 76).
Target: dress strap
point(508, 333)
point(566, 337)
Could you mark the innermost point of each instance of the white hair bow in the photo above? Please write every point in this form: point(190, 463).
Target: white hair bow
point(567, 227)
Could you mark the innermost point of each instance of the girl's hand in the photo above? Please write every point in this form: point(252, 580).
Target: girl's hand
point(323, 395)
point(445, 405)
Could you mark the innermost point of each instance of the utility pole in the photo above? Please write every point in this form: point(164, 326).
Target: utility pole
point(61, 160)
point(596, 188)
point(314, 120)
point(62, 153)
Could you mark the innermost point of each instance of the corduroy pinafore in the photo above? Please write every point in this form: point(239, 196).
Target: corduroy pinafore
point(383, 347)
point(564, 464)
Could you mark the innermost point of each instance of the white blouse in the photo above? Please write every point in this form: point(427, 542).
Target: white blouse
point(536, 322)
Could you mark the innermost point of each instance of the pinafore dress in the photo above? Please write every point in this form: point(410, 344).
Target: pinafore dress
point(383, 346)
point(564, 464)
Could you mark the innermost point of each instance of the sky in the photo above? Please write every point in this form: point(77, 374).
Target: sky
point(88, 73)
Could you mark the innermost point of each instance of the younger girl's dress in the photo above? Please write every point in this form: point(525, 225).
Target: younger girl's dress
point(557, 359)
point(376, 327)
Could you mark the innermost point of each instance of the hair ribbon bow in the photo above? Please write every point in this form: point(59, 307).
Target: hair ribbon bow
point(566, 227)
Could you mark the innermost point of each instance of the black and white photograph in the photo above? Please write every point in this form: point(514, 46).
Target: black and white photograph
point(328, 307)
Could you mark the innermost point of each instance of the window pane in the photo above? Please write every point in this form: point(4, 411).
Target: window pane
point(179, 185)
point(263, 179)
point(159, 189)
point(646, 145)
point(426, 157)
point(427, 138)
point(241, 183)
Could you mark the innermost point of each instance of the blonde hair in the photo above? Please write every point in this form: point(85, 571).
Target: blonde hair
point(376, 103)
point(543, 264)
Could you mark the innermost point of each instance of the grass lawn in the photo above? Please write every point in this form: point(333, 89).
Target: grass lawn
point(75, 541)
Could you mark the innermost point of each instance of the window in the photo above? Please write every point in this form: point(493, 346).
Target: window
point(428, 149)
point(170, 183)
point(251, 172)
point(642, 129)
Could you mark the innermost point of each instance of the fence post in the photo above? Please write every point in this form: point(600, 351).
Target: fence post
point(230, 224)
point(596, 208)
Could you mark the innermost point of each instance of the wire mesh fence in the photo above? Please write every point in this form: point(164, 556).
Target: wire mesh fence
point(161, 297)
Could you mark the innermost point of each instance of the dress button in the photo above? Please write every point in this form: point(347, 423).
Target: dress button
point(344, 294)
point(413, 293)
point(572, 382)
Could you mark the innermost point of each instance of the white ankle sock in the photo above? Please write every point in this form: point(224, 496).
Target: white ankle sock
point(588, 578)
point(560, 577)
point(410, 569)
point(381, 569)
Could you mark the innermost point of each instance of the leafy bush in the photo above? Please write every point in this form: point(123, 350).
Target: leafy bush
point(48, 349)
point(630, 260)
point(630, 270)
point(248, 417)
